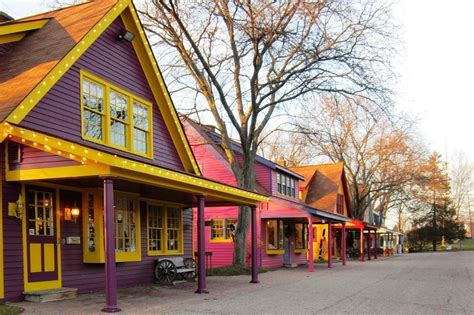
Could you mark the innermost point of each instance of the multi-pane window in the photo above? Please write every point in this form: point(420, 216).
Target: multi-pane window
point(274, 235)
point(155, 228)
point(93, 109)
point(90, 223)
point(340, 204)
point(118, 118)
point(286, 185)
point(222, 229)
point(165, 230)
point(125, 224)
point(141, 127)
point(114, 117)
point(301, 235)
point(40, 213)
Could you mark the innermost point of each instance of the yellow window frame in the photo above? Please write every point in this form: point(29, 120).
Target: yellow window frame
point(131, 99)
point(98, 255)
point(274, 251)
point(224, 238)
point(164, 237)
point(137, 254)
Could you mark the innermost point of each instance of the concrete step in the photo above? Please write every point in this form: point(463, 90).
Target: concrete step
point(50, 295)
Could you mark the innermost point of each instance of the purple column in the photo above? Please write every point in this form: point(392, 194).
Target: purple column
point(201, 263)
point(376, 244)
point(343, 245)
point(330, 245)
point(110, 267)
point(310, 245)
point(253, 209)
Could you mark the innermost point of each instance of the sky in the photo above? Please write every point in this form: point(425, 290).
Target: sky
point(435, 67)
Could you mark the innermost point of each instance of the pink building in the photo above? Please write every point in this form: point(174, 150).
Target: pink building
point(282, 223)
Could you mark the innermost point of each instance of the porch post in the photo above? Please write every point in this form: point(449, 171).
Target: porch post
point(330, 245)
point(343, 245)
point(361, 257)
point(310, 245)
point(376, 244)
point(110, 267)
point(201, 248)
point(254, 245)
point(369, 238)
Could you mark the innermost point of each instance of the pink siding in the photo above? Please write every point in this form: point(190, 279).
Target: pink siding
point(58, 113)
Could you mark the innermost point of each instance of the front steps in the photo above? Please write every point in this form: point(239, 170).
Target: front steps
point(50, 295)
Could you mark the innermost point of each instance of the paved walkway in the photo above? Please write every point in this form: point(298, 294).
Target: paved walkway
point(425, 283)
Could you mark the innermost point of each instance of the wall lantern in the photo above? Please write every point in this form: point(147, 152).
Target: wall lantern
point(128, 36)
point(75, 212)
point(16, 209)
point(71, 214)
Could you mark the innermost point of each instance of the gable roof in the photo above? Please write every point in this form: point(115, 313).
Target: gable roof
point(44, 55)
point(215, 139)
point(321, 185)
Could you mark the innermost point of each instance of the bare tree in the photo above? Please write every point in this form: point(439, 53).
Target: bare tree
point(381, 155)
point(291, 147)
point(461, 176)
point(242, 60)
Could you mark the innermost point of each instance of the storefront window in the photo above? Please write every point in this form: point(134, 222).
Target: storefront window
point(301, 235)
point(165, 230)
point(275, 235)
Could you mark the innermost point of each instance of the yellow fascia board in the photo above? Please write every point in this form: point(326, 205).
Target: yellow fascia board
point(10, 38)
point(57, 172)
point(30, 101)
point(158, 176)
point(19, 27)
point(159, 90)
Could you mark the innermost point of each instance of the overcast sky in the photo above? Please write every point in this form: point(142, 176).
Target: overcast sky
point(436, 67)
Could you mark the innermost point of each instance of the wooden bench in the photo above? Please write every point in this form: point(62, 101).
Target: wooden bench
point(167, 269)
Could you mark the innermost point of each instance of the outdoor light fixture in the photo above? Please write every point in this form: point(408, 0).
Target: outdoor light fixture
point(128, 36)
point(20, 207)
point(75, 212)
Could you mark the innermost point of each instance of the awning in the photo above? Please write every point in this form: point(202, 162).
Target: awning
point(281, 209)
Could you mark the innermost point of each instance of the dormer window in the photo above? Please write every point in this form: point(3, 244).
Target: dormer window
point(286, 185)
point(114, 117)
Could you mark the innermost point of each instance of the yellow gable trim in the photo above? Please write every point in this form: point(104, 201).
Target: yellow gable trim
point(18, 27)
point(10, 38)
point(30, 101)
point(155, 175)
point(160, 92)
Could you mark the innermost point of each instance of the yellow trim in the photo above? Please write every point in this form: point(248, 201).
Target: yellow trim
point(42, 285)
point(220, 239)
point(10, 38)
point(30, 101)
point(301, 251)
point(131, 98)
point(137, 255)
point(57, 172)
point(159, 90)
point(164, 237)
point(273, 251)
point(132, 170)
point(2, 275)
point(18, 27)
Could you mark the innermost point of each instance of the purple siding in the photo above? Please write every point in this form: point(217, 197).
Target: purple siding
point(12, 239)
point(58, 113)
point(34, 158)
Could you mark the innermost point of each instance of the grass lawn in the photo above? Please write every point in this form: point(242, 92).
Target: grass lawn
point(463, 245)
point(10, 310)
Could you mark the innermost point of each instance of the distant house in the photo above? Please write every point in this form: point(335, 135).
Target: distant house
point(96, 168)
point(283, 221)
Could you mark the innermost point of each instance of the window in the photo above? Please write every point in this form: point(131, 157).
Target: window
point(165, 230)
point(114, 117)
point(93, 244)
point(286, 185)
point(340, 204)
point(40, 213)
point(275, 237)
point(301, 237)
point(222, 229)
point(125, 216)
